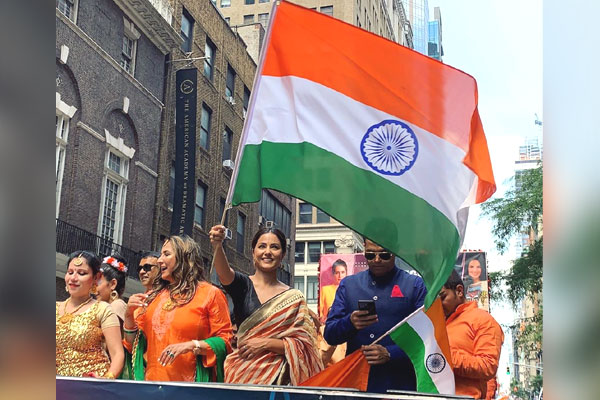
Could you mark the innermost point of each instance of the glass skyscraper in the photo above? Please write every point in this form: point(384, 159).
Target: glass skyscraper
point(417, 12)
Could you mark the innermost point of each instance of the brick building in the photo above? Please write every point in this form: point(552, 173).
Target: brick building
point(115, 129)
point(225, 77)
point(110, 64)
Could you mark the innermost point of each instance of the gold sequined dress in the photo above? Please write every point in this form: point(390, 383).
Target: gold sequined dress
point(79, 341)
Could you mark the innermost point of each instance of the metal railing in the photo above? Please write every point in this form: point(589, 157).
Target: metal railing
point(70, 238)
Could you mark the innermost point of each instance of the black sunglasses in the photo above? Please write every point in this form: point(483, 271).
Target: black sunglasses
point(146, 267)
point(384, 255)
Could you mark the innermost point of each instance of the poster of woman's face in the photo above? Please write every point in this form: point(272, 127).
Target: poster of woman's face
point(472, 268)
point(335, 267)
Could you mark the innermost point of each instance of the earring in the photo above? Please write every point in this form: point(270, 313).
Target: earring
point(94, 289)
point(67, 289)
point(114, 295)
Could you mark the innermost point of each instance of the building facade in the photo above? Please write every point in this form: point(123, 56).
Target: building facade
point(317, 233)
point(383, 17)
point(225, 73)
point(110, 64)
point(434, 44)
point(417, 12)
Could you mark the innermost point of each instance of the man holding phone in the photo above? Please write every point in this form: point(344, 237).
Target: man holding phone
point(366, 306)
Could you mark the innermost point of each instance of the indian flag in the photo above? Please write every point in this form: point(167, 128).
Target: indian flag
point(422, 335)
point(383, 139)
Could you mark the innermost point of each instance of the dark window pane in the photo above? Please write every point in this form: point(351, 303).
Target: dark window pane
point(299, 283)
point(328, 247)
point(299, 253)
point(305, 213)
point(322, 217)
point(227, 138)
point(312, 289)
point(240, 232)
point(314, 251)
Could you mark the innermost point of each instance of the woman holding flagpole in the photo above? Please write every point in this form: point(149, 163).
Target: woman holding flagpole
point(276, 338)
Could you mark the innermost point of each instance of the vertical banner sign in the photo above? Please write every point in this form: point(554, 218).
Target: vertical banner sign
point(182, 221)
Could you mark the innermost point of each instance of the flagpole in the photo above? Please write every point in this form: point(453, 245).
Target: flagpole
point(397, 325)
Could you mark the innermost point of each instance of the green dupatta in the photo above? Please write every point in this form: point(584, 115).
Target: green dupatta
point(137, 366)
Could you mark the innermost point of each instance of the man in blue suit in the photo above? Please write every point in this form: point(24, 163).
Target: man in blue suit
point(396, 294)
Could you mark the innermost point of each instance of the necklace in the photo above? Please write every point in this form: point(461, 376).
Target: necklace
point(68, 316)
point(169, 305)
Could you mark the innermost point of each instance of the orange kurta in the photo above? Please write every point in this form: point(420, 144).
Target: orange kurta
point(475, 340)
point(326, 300)
point(207, 315)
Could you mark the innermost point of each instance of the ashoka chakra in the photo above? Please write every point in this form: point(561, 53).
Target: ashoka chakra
point(435, 363)
point(390, 147)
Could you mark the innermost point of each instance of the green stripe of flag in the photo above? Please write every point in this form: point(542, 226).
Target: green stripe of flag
point(362, 200)
point(411, 343)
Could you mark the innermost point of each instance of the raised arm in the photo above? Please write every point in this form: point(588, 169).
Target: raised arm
point(224, 271)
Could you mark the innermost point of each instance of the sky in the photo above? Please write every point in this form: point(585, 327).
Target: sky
point(499, 43)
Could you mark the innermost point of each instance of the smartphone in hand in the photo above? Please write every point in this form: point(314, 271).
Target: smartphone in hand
point(368, 305)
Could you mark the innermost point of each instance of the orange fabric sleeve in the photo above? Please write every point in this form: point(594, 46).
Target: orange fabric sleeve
point(220, 326)
point(483, 363)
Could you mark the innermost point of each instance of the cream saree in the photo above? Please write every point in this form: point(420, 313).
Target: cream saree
point(285, 317)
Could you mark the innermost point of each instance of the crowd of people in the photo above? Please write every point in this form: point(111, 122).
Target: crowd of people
point(181, 328)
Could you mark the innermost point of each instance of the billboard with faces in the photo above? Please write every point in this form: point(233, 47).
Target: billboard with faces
point(472, 268)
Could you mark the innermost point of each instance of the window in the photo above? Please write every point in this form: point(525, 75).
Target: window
point(209, 53)
point(129, 46)
point(322, 217)
point(230, 84)
point(240, 232)
point(200, 204)
point(225, 3)
point(328, 10)
point(68, 8)
point(227, 138)
point(328, 247)
point(263, 19)
point(299, 253)
point(314, 251)
point(62, 136)
point(249, 19)
point(247, 2)
point(246, 100)
point(114, 190)
point(205, 126)
point(187, 30)
point(299, 283)
point(273, 210)
point(305, 213)
point(312, 289)
point(263, 1)
point(172, 185)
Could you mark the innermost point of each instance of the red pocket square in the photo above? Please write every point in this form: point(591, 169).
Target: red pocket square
point(396, 292)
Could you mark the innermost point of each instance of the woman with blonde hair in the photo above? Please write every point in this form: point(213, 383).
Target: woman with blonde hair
point(180, 330)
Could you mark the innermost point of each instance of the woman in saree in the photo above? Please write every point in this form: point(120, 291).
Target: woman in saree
point(276, 337)
point(180, 329)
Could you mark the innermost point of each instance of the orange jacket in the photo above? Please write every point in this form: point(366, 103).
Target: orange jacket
point(475, 340)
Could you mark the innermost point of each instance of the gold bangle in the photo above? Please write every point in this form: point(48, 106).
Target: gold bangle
point(197, 347)
point(109, 375)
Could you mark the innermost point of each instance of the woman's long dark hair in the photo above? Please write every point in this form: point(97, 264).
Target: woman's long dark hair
point(188, 271)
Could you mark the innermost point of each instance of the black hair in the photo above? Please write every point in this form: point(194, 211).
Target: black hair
point(280, 235)
point(110, 272)
point(337, 262)
point(453, 281)
point(92, 259)
point(147, 254)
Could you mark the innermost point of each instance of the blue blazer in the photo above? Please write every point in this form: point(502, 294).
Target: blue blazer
point(392, 305)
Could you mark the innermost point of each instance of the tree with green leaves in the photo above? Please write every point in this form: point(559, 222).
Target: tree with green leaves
point(520, 211)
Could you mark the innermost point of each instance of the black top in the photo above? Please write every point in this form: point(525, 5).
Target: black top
point(245, 299)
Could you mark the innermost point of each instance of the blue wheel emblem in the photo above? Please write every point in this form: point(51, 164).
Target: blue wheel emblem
point(390, 147)
point(435, 363)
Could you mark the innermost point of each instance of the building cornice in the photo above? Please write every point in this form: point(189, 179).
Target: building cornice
point(147, 18)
